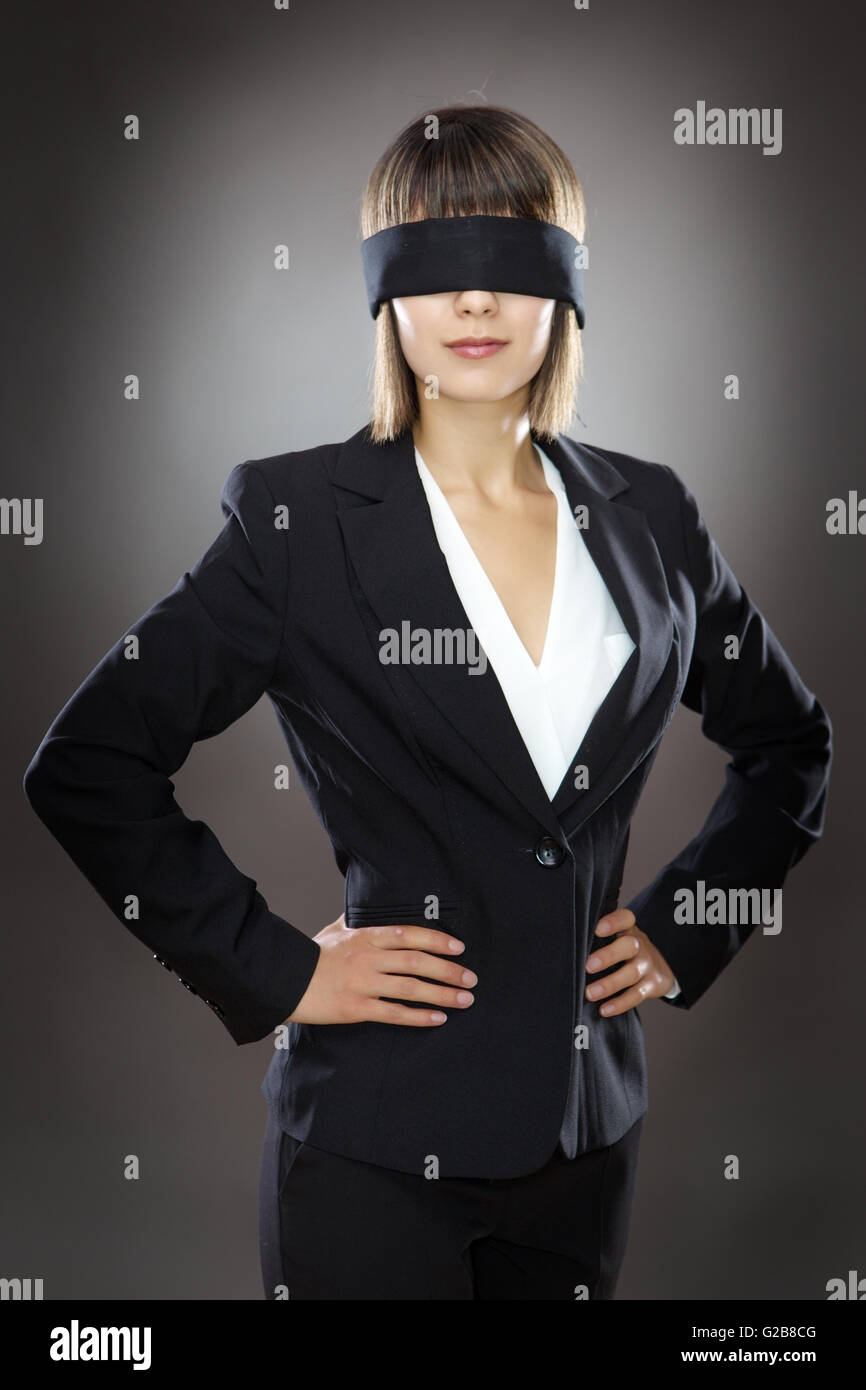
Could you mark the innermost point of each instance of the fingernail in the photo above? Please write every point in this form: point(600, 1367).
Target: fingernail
point(593, 963)
point(455, 945)
point(463, 997)
point(468, 978)
point(438, 1018)
point(595, 990)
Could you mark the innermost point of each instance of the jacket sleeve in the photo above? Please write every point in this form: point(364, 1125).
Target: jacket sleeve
point(771, 808)
point(101, 778)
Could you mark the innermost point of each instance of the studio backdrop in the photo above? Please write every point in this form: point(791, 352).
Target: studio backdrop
point(183, 291)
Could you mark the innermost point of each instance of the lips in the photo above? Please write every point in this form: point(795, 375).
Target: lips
point(476, 347)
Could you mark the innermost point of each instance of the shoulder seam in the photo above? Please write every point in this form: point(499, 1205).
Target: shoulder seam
point(687, 550)
point(282, 632)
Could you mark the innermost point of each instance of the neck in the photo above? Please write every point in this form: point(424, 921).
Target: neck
point(478, 446)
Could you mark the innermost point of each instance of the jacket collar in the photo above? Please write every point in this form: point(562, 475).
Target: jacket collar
point(392, 546)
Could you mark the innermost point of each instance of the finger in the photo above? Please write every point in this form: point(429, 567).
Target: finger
point(382, 1011)
point(622, 948)
point(410, 962)
point(415, 938)
point(629, 999)
point(619, 920)
point(424, 992)
point(626, 975)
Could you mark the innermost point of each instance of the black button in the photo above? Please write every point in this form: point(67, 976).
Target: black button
point(549, 853)
point(216, 1008)
point(161, 961)
point(186, 984)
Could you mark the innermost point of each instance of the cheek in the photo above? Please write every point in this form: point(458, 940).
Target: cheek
point(417, 339)
point(530, 341)
point(538, 335)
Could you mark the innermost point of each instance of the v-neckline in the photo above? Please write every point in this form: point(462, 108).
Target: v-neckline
point(469, 549)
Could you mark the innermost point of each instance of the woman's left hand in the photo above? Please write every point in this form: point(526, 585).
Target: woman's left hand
point(644, 974)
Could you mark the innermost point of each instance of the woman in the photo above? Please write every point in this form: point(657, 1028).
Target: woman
point(474, 632)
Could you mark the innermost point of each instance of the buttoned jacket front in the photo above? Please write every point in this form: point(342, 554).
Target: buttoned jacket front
point(433, 807)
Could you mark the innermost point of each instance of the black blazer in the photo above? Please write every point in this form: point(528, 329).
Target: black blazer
point(429, 796)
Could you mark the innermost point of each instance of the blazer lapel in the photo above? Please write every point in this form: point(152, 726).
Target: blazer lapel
point(643, 699)
point(392, 545)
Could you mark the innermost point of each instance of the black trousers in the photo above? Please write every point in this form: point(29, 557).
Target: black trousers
point(336, 1228)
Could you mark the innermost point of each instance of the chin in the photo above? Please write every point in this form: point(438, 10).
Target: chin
point(478, 383)
point(480, 395)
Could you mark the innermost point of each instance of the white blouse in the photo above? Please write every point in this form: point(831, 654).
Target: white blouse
point(585, 647)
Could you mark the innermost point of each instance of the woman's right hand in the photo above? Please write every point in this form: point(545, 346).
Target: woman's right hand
point(362, 969)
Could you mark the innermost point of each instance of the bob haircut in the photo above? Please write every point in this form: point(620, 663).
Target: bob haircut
point(461, 161)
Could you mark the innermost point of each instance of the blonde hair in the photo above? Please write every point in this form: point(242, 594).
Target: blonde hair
point(484, 160)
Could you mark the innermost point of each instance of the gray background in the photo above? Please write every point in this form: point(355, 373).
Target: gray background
point(155, 257)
